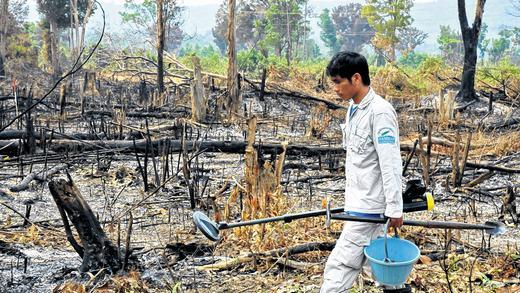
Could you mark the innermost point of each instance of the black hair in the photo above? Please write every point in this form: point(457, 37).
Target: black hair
point(346, 63)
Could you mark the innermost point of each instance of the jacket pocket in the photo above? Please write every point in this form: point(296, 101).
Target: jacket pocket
point(358, 140)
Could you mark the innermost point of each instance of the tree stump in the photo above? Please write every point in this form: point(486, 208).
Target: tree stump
point(96, 249)
point(198, 99)
point(63, 98)
point(143, 92)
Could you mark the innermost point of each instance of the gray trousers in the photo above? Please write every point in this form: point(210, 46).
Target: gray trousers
point(347, 258)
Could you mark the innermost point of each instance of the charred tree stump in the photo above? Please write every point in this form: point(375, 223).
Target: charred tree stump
point(63, 98)
point(198, 99)
point(89, 82)
point(509, 206)
point(262, 85)
point(96, 249)
point(143, 92)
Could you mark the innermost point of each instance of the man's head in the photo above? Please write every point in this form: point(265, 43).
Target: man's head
point(349, 72)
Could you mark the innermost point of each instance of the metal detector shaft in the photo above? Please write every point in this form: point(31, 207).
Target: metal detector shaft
point(407, 208)
point(286, 218)
point(427, 224)
point(211, 229)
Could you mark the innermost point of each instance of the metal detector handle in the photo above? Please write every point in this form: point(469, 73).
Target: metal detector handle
point(425, 205)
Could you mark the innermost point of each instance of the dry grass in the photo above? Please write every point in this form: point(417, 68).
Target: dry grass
point(495, 144)
point(261, 196)
point(319, 123)
point(130, 282)
point(34, 235)
point(390, 81)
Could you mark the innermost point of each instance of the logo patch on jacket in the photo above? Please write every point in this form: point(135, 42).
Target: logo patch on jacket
point(386, 136)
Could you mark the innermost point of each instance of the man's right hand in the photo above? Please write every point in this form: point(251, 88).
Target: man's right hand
point(396, 222)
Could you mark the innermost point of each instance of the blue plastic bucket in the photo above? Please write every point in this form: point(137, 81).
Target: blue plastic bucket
point(402, 255)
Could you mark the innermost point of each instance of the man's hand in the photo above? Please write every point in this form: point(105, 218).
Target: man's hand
point(396, 222)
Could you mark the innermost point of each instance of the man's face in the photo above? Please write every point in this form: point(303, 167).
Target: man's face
point(344, 88)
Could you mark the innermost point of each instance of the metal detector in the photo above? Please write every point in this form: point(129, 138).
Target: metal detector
point(414, 198)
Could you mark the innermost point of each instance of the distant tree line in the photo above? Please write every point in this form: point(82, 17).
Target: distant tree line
point(266, 32)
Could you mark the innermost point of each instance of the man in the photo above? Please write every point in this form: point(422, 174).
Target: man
point(372, 168)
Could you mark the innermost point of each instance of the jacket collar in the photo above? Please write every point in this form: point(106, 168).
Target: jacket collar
point(367, 99)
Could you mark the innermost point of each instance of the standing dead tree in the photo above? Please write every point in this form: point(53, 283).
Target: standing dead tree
point(160, 47)
point(233, 98)
point(470, 37)
point(79, 20)
point(96, 249)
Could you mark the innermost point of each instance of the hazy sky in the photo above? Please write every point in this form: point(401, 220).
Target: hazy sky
point(33, 14)
point(205, 2)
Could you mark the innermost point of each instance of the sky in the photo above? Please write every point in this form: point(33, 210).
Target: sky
point(33, 14)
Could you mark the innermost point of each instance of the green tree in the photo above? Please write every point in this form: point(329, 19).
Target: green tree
point(15, 41)
point(483, 42)
point(328, 31)
point(515, 46)
point(413, 59)
point(142, 16)
point(352, 29)
point(57, 16)
point(246, 15)
point(500, 46)
point(220, 29)
point(285, 27)
point(409, 39)
point(450, 44)
point(506, 45)
point(387, 17)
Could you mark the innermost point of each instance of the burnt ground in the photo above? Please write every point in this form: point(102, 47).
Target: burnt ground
point(38, 258)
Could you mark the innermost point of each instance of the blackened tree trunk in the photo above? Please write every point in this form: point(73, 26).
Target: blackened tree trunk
point(470, 37)
point(160, 47)
point(96, 249)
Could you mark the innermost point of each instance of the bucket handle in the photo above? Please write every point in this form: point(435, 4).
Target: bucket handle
point(386, 236)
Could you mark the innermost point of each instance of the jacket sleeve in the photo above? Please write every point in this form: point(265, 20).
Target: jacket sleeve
point(386, 142)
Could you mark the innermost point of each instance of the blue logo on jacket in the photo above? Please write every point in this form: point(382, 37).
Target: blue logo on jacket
point(386, 136)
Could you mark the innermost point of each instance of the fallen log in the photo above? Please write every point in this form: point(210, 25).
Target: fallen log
point(96, 250)
point(231, 147)
point(506, 124)
point(285, 252)
point(177, 112)
point(40, 176)
point(238, 147)
point(22, 134)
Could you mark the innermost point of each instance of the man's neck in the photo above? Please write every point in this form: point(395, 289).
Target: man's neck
point(361, 95)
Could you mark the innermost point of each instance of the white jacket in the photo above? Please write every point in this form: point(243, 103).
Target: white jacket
point(373, 165)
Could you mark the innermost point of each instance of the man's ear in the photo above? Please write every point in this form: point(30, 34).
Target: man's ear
point(356, 78)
